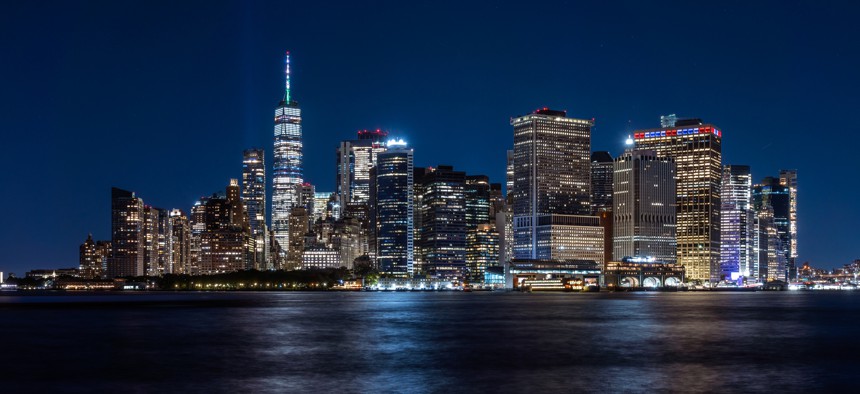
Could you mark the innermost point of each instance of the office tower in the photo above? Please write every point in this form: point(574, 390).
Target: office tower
point(505, 229)
point(197, 222)
point(322, 206)
point(643, 207)
point(552, 170)
point(568, 237)
point(482, 251)
point(93, 258)
point(476, 190)
point(226, 244)
point(417, 218)
point(497, 200)
point(307, 199)
point(509, 174)
point(788, 178)
point(254, 198)
point(736, 224)
point(181, 242)
point(349, 238)
point(697, 150)
point(127, 240)
point(443, 222)
point(768, 249)
point(392, 208)
point(601, 182)
point(298, 230)
point(355, 158)
point(772, 201)
point(156, 231)
point(287, 169)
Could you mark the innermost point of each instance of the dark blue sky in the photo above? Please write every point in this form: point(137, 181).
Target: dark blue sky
point(161, 98)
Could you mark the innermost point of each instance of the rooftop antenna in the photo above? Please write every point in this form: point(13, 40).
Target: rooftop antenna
point(287, 86)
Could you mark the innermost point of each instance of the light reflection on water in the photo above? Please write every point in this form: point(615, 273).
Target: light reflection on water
point(432, 342)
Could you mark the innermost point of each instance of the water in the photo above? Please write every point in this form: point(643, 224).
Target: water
point(430, 342)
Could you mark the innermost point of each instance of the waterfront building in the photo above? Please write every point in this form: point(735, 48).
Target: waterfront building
point(180, 243)
point(93, 258)
point(287, 169)
point(643, 273)
point(254, 198)
point(443, 222)
point(320, 258)
point(392, 209)
point(552, 170)
point(736, 224)
point(482, 251)
point(696, 148)
point(601, 182)
point(788, 178)
point(197, 223)
point(644, 206)
point(127, 238)
point(226, 244)
point(772, 202)
point(355, 158)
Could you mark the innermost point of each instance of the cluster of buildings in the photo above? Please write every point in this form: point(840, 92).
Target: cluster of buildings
point(667, 204)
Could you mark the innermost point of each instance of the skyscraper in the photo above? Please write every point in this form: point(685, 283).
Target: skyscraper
point(552, 171)
point(482, 251)
point(127, 238)
point(225, 241)
point(181, 243)
point(697, 150)
point(772, 202)
point(93, 258)
point(736, 223)
point(392, 208)
point(287, 162)
point(254, 198)
point(644, 206)
point(443, 223)
point(601, 182)
point(355, 158)
point(788, 178)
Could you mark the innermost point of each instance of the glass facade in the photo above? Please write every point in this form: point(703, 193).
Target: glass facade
point(392, 208)
point(287, 166)
point(736, 224)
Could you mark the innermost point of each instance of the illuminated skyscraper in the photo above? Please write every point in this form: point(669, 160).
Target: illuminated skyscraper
point(225, 242)
point(181, 242)
point(697, 150)
point(772, 202)
point(355, 158)
point(552, 171)
point(601, 182)
point(392, 209)
point(788, 178)
point(644, 206)
point(127, 238)
point(482, 251)
point(287, 162)
point(443, 223)
point(254, 198)
point(736, 223)
point(509, 174)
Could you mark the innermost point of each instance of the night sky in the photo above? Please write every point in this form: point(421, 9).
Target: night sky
point(162, 98)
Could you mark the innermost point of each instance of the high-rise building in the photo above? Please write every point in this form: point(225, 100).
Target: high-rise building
point(181, 243)
point(482, 251)
point(601, 182)
point(443, 222)
point(788, 178)
point(644, 206)
point(93, 258)
point(509, 174)
point(772, 201)
point(552, 171)
point(298, 230)
point(127, 237)
point(254, 198)
point(736, 224)
point(156, 234)
point(226, 244)
point(355, 158)
point(322, 205)
point(697, 150)
point(568, 237)
point(287, 171)
point(392, 208)
point(307, 199)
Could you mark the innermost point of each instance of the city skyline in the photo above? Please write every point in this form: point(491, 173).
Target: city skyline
point(108, 162)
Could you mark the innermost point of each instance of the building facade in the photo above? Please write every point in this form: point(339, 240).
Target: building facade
point(287, 168)
point(127, 236)
point(696, 148)
point(736, 224)
point(552, 170)
point(601, 182)
point(392, 210)
point(254, 198)
point(443, 223)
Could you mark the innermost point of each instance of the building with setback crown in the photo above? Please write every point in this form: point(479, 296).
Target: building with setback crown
point(644, 206)
point(287, 169)
point(788, 178)
point(696, 148)
point(552, 171)
point(392, 209)
point(355, 158)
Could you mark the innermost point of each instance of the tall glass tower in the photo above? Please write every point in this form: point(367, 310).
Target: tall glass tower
point(392, 205)
point(254, 198)
point(736, 223)
point(287, 162)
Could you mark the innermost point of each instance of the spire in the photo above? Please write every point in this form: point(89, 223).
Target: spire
point(287, 87)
